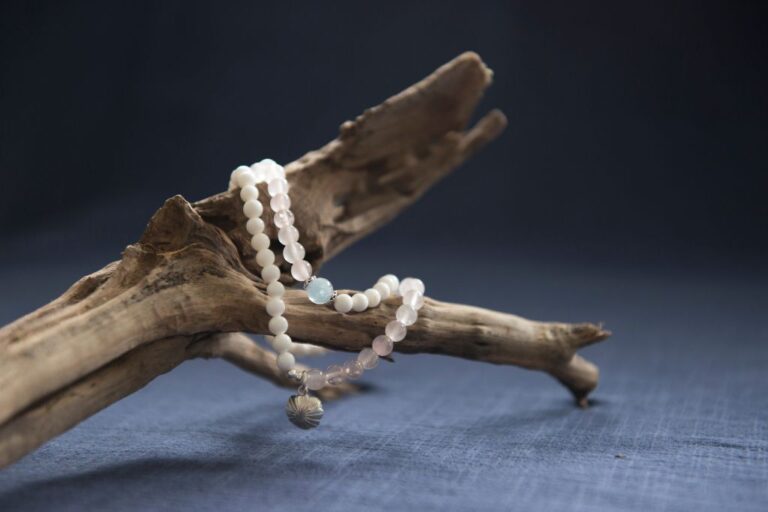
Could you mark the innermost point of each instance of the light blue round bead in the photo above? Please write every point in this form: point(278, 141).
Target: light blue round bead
point(320, 290)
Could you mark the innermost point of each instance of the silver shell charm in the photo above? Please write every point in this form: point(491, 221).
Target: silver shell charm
point(304, 411)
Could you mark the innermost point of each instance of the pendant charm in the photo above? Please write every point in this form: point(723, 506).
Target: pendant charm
point(304, 411)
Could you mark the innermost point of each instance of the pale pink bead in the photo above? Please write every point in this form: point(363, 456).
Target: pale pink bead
point(283, 218)
point(294, 252)
point(406, 315)
point(368, 358)
point(335, 374)
point(353, 369)
point(315, 379)
point(288, 234)
point(280, 202)
point(277, 186)
point(301, 270)
point(382, 345)
point(414, 299)
point(411, 283)
point(395, 330)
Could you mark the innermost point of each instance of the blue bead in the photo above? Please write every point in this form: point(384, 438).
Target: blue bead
point(320, 290)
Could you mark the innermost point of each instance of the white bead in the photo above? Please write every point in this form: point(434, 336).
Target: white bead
point(265, 257)
point(270, 273)
point(359, 302)
point(391, 280)
point(394, 330)
point(255, 226)
point(301, 270)
point(260, 241)
point(275, 307)
point(368, 358)
point(237, 172)
point(374, 297)
point(414, 299)
point(249, 192)
point(283, 218)
point(245, 178)
point(382, 345)
point(252, 208)
point(288, 234)
point(280, 202)
point(286, 361)
point(259, 172)
point(406, 315)
point(282, 343)
point(275, 289)
point(278, 325)
point(294, 252)
point(315, 379)
point(343, 303)
point(411, 283)
point(277, 186)
point(383, 289)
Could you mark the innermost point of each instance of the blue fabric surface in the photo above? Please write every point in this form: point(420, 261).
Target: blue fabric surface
point(678, 422)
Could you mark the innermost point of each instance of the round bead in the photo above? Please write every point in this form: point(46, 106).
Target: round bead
point(320, 290)
point(278, 325)
point(395, 330)
point(374, 297)
point(334, 374)
point(282, 343)
point(270, 273)
point(265, 257)
point(382, 345)
point(286, 361)
point(359, 302)
point(343, 303)
point(288, 234)
point(391, 280)
point(237, 172)
point(258, 172)
point(275, 289)
point(252, 208)
point(406, 315)
point(368, 358)
point(277, 186)
point(414, 299)
point(301, 270)
point(259, 241)
point(275, 307)
point(245, 178)
point(283, 218)
point(353, 369)
point(383, 289)
point(315, 379)
point(280, 202)
point(294, 252)
point(411, 283)
point(249, 192)
point(255, 226)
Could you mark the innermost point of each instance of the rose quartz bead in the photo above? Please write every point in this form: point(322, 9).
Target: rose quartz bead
point(288, 234)
point(414, 299)
point(406, 315)
point(283, 218)
point(353, 369)
point(335, 374)
point(382, 345)
point(280, 202)
point(395, 330)
point(411, 283)
point(294, 252)
point(315, 379)
point(368, 358)
point(277, 186)
point(301, 270)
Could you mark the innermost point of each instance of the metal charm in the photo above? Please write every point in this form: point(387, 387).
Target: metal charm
point(304, 411)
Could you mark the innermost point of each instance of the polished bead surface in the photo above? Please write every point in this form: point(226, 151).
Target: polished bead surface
point(406, 315)
point(255, 226)
point(353, 369)
point(249, 192)
point(278, 325)
point(334, 374)
point(275, 307)
point(282, 343)
point(374, 297)
point(294, 252)
point(258, 172)
point(320, 290)
point(288, 234)
point(277, 186)
point(286, 361)
point(315, 379)
point(301, 270)
point(283, 218)
point(245, 178)
point(382, 345)
point(252, 208)
point(414, 299)
point(411, 283)
point(368, 358)
point(343, 303)
point(259, 241)
point(359, 302)
point(265, 257)
point(395, 330)
point(391, 280)
point(270, 273)
point(383, 289)
point(280, 202)
point(275, 289)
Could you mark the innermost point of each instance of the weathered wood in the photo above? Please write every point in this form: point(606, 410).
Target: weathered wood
point(192, 275)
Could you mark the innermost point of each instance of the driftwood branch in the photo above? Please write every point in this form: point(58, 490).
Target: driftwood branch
point(191, 284)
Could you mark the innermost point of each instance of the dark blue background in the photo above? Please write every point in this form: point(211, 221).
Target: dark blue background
point(629, 188)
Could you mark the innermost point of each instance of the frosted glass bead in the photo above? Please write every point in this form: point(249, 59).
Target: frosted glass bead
point(359, 302)
point(249, 192)
point(260, 241)
point(284, 218)
point(275, 307)
point(320, 290)
point(265, 257)
point(301, 270)
point(353, 369)
point(252, 208)
point(315, 379)
point(391, 280)
point(374, 297)
point(254, 226)
point(245, 178)
point(411, 283)
point(294, 252)
point(282, 343)
point(277, 186)
point(383, 289)
point(286, 361)
point(395, 330)
point(288, 234)
point(334, 374)
point(382, 345)
point(258, 172)
point(406, 315)
point(270, 273)
point(343, 303)
point(278, 325)
point(275, 289)
point(414, 299)
point(280, 202)
point(368, 358)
